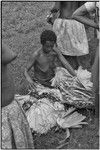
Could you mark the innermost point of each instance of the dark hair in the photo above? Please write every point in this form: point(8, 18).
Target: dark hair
point(48, 35)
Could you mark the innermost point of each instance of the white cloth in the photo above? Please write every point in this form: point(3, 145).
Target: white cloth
point(71, 37)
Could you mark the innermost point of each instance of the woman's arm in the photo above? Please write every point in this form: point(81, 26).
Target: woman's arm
point(7, 55)
point(80, 13)
point(64, 62)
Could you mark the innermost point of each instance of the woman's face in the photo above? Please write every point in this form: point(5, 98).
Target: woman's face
point(48, 46)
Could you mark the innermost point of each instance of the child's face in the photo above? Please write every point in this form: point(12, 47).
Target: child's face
point(48, 46)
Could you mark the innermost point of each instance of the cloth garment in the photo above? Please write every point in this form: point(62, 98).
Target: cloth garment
point(71, 37)
point(16, 133)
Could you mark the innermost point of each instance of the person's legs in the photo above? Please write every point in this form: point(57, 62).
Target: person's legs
point(95, 75)
point(92, 49)
point(72, 61)
point(84, 61)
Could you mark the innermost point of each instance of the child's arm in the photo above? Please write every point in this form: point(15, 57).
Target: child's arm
point(80, 13)
point(30, 65)
point(64, 62)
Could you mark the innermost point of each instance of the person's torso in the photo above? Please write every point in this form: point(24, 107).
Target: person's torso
point(8, 90)
point(44, 67)
point(67, 9)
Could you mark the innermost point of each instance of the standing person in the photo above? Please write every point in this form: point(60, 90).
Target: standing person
point(65, 9)
point(71, 35)
point(79, 16)
point(15, 128)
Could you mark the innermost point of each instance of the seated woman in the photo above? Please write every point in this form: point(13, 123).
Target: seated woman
point(15, 128)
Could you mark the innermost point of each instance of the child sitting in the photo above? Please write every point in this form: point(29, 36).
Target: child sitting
point(43, 60)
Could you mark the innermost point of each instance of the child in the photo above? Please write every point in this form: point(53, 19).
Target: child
point(43, 60)
point(15, 128)
point(49, 63)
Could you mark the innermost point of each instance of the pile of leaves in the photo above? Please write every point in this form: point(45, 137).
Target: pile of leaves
point(74, 91)
point(43, 115)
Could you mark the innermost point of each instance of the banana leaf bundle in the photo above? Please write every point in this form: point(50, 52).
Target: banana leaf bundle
point(43, 115)
point(72, 89)
point(39, 91)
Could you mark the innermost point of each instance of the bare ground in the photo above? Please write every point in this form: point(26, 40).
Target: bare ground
point(22, 23)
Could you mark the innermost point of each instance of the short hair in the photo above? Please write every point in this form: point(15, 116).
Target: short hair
point(48, 35)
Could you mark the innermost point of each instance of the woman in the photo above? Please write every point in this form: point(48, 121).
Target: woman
point(15, 128)
point(79, 16)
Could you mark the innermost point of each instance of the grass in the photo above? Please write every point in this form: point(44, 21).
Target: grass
point(22, 23)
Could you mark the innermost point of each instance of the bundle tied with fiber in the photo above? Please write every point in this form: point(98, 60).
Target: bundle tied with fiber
point(44, 115)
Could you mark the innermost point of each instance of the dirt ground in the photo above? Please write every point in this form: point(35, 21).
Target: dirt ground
point(22, 23)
